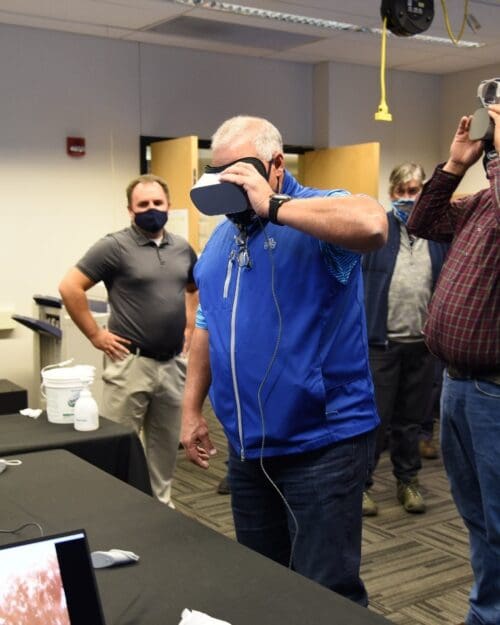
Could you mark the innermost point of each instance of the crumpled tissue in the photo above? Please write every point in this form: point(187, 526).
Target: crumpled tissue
point(103, 559)
point(34, 413)
point(193, 617)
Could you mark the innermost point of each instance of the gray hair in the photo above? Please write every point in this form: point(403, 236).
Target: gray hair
point(266, 137)
point(404, 173)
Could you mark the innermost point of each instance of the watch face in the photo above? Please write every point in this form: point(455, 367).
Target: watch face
point(281, 196)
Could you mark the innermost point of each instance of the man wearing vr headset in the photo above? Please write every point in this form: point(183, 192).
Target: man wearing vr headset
point(280, 342)
point(463, 330)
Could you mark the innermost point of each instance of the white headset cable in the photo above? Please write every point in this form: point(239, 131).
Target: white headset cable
point(21, 527)
point(259, 398)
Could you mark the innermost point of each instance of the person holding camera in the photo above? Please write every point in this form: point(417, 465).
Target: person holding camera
point(463, 330)
point(280, 341)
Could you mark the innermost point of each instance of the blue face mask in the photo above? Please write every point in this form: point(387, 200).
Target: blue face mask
point(402, 209)
point(151, 220)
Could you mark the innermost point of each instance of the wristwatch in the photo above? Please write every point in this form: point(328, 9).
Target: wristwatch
point(275, 201)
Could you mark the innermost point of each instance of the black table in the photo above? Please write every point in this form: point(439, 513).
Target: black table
point(183, 564)
point(113, 447)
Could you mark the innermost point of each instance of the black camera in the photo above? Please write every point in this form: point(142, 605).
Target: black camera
point(482, 126)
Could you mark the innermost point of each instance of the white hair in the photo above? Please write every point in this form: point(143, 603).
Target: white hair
point(401, 174)
point(266, 137)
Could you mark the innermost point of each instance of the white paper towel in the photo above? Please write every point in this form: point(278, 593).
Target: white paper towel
point(193, 617)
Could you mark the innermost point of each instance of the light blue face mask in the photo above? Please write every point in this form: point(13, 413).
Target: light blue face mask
point(402, 209)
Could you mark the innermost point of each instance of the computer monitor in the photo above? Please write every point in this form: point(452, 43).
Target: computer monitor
point(49, 580)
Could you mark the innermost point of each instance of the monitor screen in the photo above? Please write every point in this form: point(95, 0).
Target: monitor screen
point(49, 580)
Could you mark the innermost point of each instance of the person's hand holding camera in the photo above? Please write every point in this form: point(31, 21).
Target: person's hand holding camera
point(463, 151)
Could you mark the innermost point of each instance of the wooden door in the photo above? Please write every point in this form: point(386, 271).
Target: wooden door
point(351, 167)
point(176, 160)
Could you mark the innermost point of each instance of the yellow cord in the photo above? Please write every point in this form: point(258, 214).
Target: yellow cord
point(447, 21)
point(382, 114)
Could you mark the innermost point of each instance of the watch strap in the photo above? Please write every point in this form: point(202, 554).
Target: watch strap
point(275, 202)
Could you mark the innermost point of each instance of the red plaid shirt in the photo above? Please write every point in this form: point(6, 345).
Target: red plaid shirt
point(463, 326)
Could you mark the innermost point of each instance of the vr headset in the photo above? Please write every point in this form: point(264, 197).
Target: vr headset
point(482, 126)
point(212, 196)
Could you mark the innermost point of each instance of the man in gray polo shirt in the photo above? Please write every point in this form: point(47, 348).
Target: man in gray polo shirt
point(148, 274)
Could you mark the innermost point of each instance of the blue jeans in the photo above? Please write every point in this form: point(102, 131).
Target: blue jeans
point(324, 489)
point(470, 442)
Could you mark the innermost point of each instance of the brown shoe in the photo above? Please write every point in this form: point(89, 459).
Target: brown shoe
point(428, 449)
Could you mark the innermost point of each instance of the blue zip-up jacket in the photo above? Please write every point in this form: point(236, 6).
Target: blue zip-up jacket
point(378, 267)
point(287, 334)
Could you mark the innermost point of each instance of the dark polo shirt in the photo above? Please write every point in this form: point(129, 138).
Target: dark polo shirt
point(146, 286)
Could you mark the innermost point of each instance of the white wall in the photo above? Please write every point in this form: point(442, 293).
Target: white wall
point(54, 207)
point(191, 92)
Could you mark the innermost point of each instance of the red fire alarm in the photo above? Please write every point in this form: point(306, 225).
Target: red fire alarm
point(75, 146)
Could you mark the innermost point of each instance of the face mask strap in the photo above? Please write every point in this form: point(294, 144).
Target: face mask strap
point(268, 174)
point(253, 160)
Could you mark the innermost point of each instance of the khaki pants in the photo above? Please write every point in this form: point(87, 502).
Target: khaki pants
point(146, 395)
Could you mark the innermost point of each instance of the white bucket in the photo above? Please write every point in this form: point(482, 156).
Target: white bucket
point(61, 387)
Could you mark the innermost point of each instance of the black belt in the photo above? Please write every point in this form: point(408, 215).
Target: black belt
point(133, 348)
point(457, 373)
